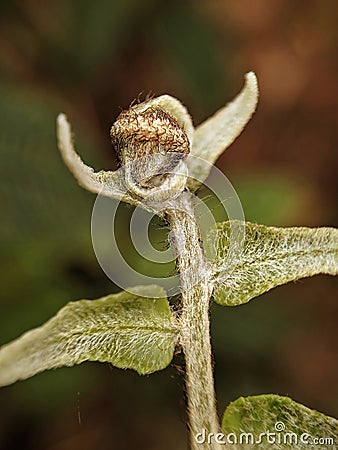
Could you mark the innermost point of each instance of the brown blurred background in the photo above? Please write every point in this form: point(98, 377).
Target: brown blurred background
point(89, 59)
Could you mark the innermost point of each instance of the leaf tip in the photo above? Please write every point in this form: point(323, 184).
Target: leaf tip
point(62, 126)
point(251, 87)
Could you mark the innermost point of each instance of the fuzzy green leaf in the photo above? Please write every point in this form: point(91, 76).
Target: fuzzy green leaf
point(252, 259)
point(290, 424)
point(107, 183)
point(129, 330)
point(214, 135)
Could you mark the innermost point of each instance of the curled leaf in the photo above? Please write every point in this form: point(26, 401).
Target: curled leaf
point(214, 135)
point(108, 183)
point(128, 330)
point(266, 257)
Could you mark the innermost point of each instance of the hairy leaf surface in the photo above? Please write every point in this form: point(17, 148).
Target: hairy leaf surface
point(219, 131)
point(252, 259)
point(292, 425)
point(128, 330)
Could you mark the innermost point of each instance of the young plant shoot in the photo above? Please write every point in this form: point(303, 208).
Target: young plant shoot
point(164, 160)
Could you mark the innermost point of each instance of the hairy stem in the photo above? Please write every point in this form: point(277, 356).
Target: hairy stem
point(194, 321)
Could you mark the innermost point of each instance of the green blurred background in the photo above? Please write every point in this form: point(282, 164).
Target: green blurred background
point(89, 59)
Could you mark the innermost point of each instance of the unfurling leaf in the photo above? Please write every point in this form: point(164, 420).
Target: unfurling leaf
point(219, 131)
point(250, 263)
point(107, 183)
point(128, 330)
point(247, 422)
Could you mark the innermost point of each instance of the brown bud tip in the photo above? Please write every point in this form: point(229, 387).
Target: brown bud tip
point(137, 133)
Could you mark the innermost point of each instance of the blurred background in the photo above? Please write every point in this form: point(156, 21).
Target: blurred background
point(90, 59)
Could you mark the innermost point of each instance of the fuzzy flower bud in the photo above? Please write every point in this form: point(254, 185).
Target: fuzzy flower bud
point(160, 151)
point(152, 147)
